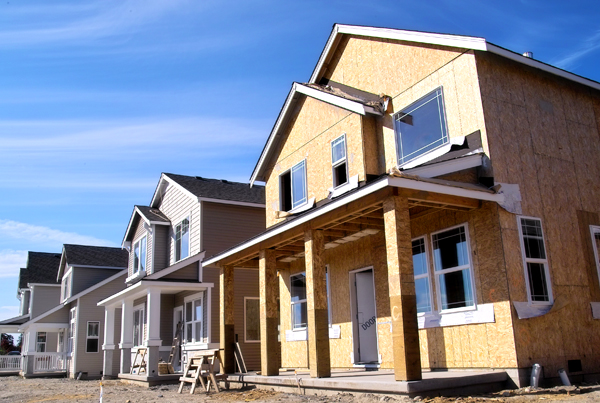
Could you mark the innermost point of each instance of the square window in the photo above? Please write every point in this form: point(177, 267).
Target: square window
point(421, 127)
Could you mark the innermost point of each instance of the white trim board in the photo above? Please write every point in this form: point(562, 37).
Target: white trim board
point(140, 289)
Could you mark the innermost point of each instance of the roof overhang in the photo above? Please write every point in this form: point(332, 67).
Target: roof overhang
point(177, 266)
point(138, 213)
point(9, 328)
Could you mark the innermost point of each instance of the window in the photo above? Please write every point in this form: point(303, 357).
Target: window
point(535, 261)
point(298, 294)
point(453, 268)
point(139, 320)
point(66, 286)
point(193, 319)
point(421, 127)
point(40, 345)
point(139, 255)
point(92, 342)
point(182, 240)
point(72, 322)
point(596, 243)
point(338, 161)
point(421, 270)
point(251, 319)
point(292, 185)
point(60, 346)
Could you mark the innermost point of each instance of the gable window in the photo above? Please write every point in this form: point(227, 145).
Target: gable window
point(40, 345)
point(595, 231)
point(421, 127)
point(139, 255)
point(420, 267)
point(92, 341)
point(338, 161)
point(535, 262)
point(138, 325)
point(251, 319)
point(292, 185)
point(298, 294)
point(193, 319)
point(182, 240)
point(453, 268)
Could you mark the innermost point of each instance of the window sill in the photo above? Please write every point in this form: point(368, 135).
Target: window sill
point(135, 277)
point(484, 313)
point(309, 203)
point(433, 154)
point(340, 190)
point(526, 310)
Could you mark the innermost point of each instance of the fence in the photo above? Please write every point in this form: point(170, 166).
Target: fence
point(10, 363)
point(50, 362)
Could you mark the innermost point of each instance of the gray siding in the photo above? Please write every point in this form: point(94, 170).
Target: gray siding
point(167, 302)
point(84, 278)
point(60, 316)
point(186, 273)
point(117, 351)
point(161, 247)
point(140, 231)
point(245, 283)
point(226, 225)
point(44, 299)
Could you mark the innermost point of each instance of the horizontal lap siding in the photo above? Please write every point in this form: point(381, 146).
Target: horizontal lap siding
point(84, 278)
point(44, 299)
point(245, 283)
point(186, 273)
point(60, 316)
point(161, 247)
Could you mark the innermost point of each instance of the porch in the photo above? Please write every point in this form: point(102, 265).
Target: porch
point(46, 350)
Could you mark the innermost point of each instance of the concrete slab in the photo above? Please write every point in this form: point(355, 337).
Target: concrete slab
point(149, 381)
point(434, 383)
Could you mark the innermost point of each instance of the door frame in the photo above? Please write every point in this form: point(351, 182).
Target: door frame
point(353, 309)
point(180, 352)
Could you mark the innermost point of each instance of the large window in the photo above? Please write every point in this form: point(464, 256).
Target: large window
point(182, 240)
point(292, 185)
point(338, 161)
point(92, 342)
point(194, 319)
point(421, 270)
point(537, 276)
point(139, 255)
point(40, 345)
point(138, 325)
point(595, 231)
point(298, 294)
point(421, 127)
point(453, 268)
point(251, 320)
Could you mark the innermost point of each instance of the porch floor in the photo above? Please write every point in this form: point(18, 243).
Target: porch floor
point(452, 382)
point(148, 381)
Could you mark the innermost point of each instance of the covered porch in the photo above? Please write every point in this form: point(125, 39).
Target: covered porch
point(46, 350)
point(11, 364)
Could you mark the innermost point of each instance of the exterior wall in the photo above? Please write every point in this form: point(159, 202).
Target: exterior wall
point(189, 272)
point(44, 299)
point(161, 247)
point(543, 136)
point(245, 283)
point(60, 316)
point(84, 278)
point(140, 231)
point(225, 225)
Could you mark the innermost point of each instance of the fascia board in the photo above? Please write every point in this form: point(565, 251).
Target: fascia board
point(176, 266)
point(332, 99)
point(233, 202)
point(129, 226)
point(446, 167)
point(62, 263)
point(140, 288)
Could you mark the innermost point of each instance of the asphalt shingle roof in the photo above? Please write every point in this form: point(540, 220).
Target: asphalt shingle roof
point(41, 268)
point(83, 255)
point(153, 214)
point(220, 189)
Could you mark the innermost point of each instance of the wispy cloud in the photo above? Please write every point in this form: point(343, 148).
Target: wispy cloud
point(39, 235)
point(11, 261)
point(589, 45)
point(9, 311)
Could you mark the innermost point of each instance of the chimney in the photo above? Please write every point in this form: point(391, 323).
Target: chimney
point(528, 54)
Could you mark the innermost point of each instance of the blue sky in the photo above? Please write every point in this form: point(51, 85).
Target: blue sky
point(97, 98)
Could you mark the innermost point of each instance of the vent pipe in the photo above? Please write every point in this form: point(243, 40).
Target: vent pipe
point(528, 54)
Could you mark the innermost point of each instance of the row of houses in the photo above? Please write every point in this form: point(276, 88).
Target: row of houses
point(430, 202)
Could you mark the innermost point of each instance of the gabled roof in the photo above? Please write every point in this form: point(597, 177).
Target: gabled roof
point(93, 256)
point(41, 269)
point(149, 215)
point(17, 320)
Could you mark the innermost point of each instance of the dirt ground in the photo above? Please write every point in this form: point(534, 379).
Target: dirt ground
point(15, 389)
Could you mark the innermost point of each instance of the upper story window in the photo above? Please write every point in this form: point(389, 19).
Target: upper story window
point(292, 185)
point(535, 262)
point(420, 267)
point(66, 286)
point(338, 161)
point(139, 255)
point(298, 294)
point(421, 127)
point(182, 240)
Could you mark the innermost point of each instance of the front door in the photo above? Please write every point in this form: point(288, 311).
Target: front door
point(365, 320)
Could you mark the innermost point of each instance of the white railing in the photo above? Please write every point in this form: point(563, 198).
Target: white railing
point(10, 363)
point(50, 362)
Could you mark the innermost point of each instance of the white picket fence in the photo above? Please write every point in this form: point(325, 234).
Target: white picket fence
point(10, 363)
point(50, 362)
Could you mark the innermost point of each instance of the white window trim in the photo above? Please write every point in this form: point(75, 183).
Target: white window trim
point(529, 260)
point(137, 270)
point(305, 300)
point(67, 285)
point(87, 336)
point(458, 268)
point(192, 298)
point(72, 329)
point(142, 308)
point(245, 315)
point(45, 342)
point(426, 275)
point(594, 229)
point(335, 164)
point(189, 218)
point(295, 208)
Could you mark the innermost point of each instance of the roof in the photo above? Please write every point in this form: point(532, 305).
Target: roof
point(41, 269)
point(17, 320)
point(153, 215)
point(149, 215)
point(99, 256)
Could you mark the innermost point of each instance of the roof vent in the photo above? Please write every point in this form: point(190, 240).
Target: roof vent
point(224, 181)
point(200, 178)
point(528, 55)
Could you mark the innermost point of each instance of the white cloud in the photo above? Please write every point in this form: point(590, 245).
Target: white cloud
point(9, 311)
point(39, 235)
point(589, 45)
point(11, 261)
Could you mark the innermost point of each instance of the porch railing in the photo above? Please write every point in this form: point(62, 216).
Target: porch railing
point(10, 363)
point(50, 362)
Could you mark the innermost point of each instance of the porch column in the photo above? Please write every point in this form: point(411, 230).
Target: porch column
point(29, 357)
point(269, 349)
point(153, 342)
point(403, 300)
point(109, 342)
point(227, 319)
point(126, 335)
point(316, 298)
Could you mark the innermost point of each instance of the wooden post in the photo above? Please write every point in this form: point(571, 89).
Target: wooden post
point(316, 298)
point(227, 319)
point(403, 300)
point(269, 349)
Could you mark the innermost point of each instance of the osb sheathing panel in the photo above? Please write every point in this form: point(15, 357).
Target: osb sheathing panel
point(543, 135)
point(309, 137)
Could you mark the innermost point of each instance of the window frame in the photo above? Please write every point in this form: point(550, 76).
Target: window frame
point(88, 337)
point(67, 285)
point(41, 343)
point(72, 329)
point(469, 266)
point(413, 106)
point(337, 163)
point(191, 299)
point(426, 275)
point(177, 254)
point(142, 309)
point(137, 268)
point(300, 302)
point(246, 340)
point(290, 171)
point(535, 260)
point(595, 229)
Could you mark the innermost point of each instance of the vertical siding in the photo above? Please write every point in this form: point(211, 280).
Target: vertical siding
point(225, 225)
point(161, 247)
point(140, 231)
point(85, 277)
point(245, 283)
point(44, 299)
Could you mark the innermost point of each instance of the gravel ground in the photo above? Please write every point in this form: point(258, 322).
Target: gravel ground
point(15, 389)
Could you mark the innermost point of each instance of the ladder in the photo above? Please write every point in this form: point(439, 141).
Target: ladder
point(175, 347)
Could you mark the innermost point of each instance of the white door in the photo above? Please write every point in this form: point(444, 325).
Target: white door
point(366, 317)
